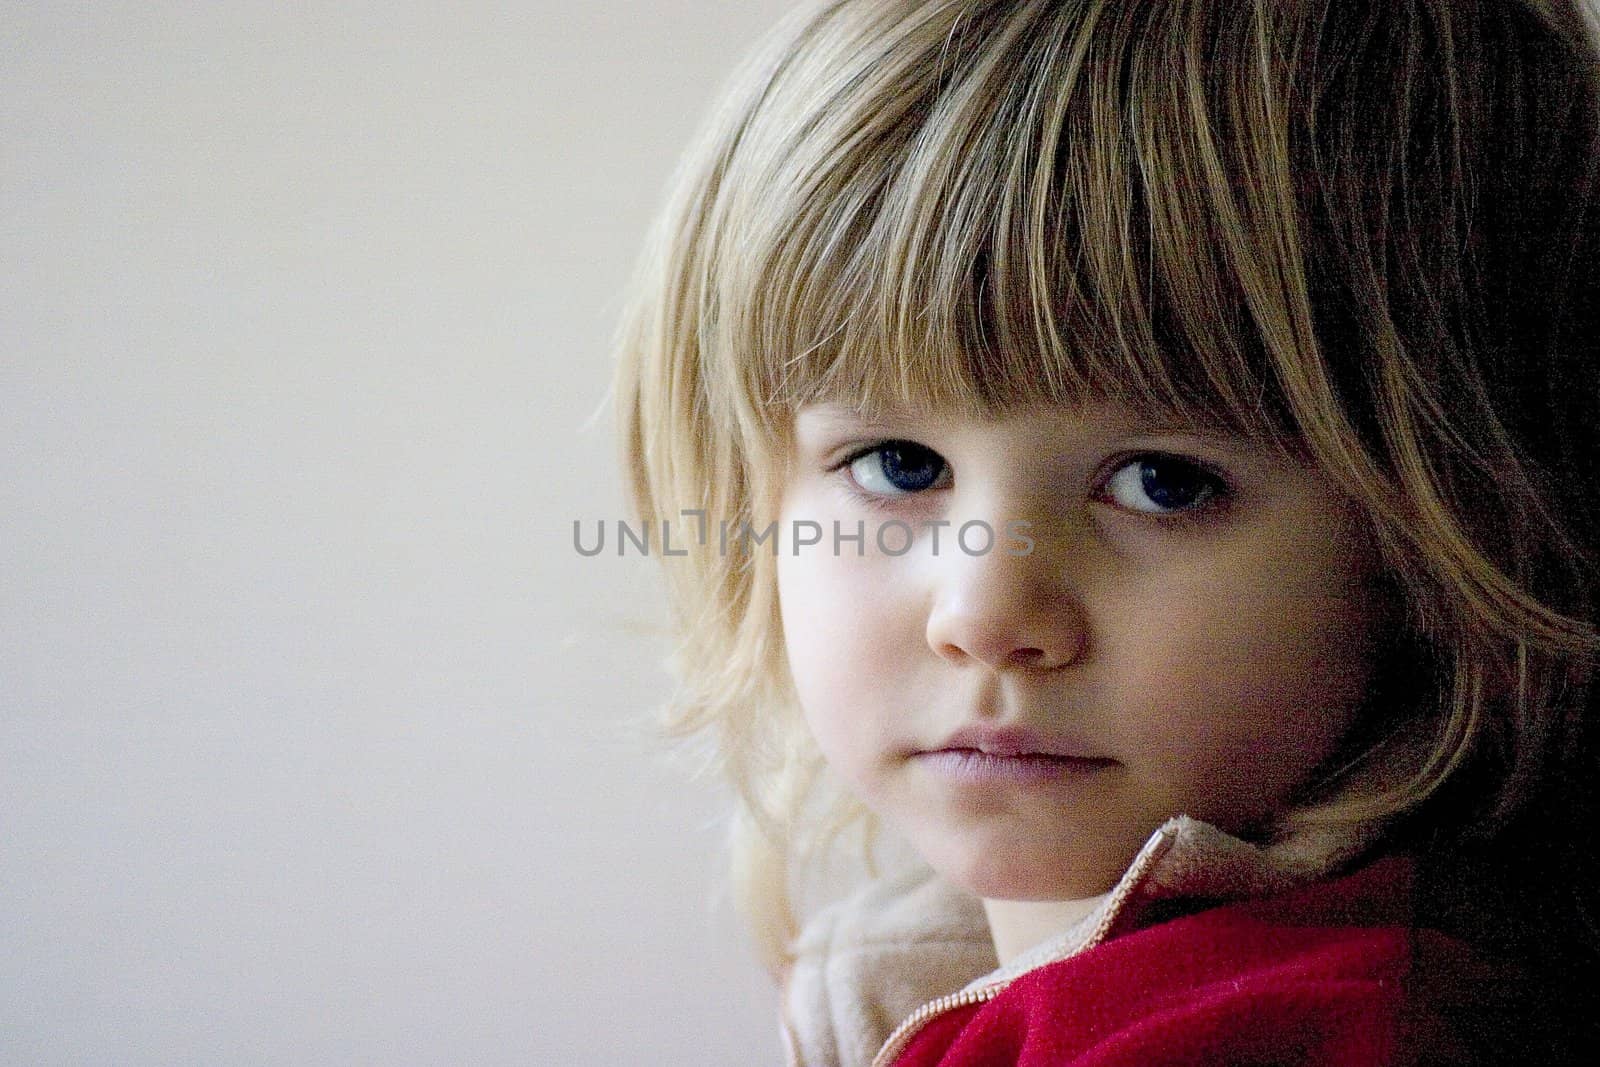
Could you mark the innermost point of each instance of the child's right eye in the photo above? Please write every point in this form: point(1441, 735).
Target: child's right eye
point(898, 468)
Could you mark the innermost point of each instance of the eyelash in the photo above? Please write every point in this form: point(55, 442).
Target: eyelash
point(1221, 490)
point(883, 502)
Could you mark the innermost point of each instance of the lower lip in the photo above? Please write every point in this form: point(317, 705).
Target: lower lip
point(971, 767)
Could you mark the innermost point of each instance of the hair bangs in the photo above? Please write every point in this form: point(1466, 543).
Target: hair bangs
point(1033, 221)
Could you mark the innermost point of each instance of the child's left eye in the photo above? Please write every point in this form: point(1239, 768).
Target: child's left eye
point(899, 468)
point(1163, 485)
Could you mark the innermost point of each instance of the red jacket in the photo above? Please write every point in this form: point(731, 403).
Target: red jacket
point(1329, 974)
point(1210, 951)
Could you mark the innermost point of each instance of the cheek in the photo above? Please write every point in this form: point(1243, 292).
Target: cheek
point(1249, 693)
point(846, 642)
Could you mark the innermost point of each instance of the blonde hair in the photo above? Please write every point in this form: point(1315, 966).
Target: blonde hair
point(1366, 231)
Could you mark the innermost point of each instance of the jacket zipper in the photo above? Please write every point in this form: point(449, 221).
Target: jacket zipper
point(903, 1033)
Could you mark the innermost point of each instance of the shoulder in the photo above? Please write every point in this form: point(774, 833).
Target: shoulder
point(867, 961)
point(1333, 973)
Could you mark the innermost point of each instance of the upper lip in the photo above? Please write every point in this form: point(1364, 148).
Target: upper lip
point(1017, 741)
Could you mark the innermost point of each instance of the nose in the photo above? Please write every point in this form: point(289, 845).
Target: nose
point(1006, 612)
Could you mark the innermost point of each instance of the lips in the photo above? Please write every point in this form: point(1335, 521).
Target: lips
point(989, 757)
point(1018, 742)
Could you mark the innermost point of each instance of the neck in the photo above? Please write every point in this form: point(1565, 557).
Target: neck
point(1018, 925)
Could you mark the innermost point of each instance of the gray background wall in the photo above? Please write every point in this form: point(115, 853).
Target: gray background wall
point(317, 739)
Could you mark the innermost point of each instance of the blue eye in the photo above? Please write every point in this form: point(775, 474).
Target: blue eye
point(1162, 485)
point(898, 468)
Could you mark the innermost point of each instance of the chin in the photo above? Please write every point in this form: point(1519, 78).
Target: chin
point(1018, 874)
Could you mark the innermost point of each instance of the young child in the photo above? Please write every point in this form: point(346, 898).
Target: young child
point(1143, 455)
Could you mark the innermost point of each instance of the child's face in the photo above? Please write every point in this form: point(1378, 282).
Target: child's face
point(1191, 633)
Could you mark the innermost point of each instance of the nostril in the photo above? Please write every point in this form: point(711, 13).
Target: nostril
point(1026, 657)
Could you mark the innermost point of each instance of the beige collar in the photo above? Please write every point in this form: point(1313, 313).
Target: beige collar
point(879, 958)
